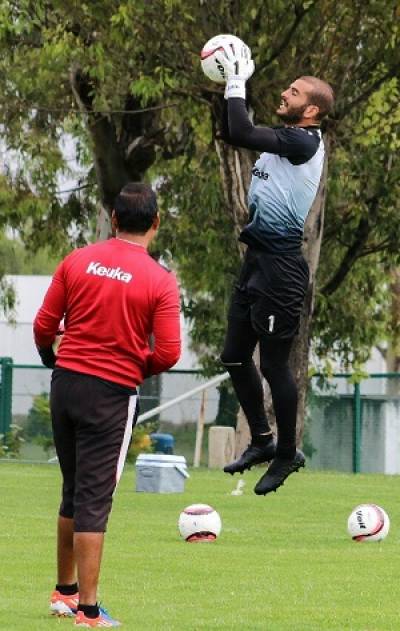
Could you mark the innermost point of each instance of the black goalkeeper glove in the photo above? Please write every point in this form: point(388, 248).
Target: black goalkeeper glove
point(47, 356)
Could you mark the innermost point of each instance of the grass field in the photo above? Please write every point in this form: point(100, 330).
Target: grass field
point(282, 563)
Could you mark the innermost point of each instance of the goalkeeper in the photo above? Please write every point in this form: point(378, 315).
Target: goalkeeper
point(267, 300)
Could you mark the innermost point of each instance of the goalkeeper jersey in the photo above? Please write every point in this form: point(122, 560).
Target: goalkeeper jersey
point(284, 182)
point(120, 309)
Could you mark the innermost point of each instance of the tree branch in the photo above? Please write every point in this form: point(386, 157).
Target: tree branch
point(300, 13)
point(344, 111)
point(350, 257)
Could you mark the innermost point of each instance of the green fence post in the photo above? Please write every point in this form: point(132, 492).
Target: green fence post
point(357, 420)
point(6, 394)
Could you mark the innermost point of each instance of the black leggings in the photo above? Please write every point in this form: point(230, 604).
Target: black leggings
point(237, 357)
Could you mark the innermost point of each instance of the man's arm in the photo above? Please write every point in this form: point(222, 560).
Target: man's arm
point(242, 132)
point(166, 329)
point(237, 129)
point(49, 316)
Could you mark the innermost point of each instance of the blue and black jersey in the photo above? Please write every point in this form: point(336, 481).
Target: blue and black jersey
point(285, 178)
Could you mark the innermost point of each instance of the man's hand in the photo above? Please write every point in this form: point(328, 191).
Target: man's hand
point(238, 64)
point(47, 356)
point(239, 67)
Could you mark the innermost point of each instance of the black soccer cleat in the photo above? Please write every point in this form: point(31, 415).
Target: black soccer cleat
point(251, 456)
point(278, 471)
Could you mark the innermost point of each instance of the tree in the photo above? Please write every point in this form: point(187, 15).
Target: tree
point(344, 43)
point(18, 260)
point(124, 80)
point(362, 232)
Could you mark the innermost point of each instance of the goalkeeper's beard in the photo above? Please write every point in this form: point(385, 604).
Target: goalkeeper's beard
point(293, 115)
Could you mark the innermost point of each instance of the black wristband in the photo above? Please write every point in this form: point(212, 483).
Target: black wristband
point(47, 356)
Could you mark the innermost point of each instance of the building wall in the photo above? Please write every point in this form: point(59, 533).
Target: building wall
point(16, 340)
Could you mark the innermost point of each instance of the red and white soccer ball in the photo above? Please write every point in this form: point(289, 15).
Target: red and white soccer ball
point(213, 54)
point(368, 522)
point(199, 523)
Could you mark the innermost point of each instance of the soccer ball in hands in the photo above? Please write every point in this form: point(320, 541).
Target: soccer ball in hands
point(199, 523)
point(213, 55)
point(368, 522)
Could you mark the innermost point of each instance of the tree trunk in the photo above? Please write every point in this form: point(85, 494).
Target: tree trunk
point(235, 168)
point(123, 145)
point(103, 224)
point(242, 437)
point(299, 357)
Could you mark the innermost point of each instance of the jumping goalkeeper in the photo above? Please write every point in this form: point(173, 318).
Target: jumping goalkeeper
point(268, 298)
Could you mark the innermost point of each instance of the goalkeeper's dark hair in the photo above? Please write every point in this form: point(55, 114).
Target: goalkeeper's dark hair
point(321, 94)
point(135, 208)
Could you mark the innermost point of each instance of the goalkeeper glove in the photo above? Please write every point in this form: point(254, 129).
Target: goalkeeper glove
point(47, 356)
point(239, 67)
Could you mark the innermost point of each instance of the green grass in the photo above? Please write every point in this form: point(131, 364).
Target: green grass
point(282, 563)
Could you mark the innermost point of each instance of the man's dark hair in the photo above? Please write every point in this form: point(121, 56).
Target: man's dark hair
point(135, 208)
point(321, 95)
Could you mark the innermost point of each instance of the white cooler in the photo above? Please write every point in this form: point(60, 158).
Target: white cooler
point(160, 473)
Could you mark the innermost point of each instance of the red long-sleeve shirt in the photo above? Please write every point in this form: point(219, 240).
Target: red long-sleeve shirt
point(113, 296)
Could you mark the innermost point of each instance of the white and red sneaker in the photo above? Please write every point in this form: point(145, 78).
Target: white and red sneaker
point(62, 605)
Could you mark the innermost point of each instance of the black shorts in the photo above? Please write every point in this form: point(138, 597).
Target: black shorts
point(270, 293)
point(92, 426)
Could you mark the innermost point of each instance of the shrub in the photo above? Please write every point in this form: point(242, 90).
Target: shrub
point(38, 428)
point(11, 442)
point(141, 441)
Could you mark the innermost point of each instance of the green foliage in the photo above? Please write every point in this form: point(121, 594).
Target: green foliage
point(12, 441)
point(362, 232)
point(7, 298)
point(348, 323)
point(38, 429)
point(88, 69)
point(16, 259)
point(197, 235)
point(141, 442)
point(228, 405)
point(38, 424)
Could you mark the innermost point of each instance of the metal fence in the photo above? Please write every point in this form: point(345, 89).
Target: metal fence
point(24, 408)
point(351, 425)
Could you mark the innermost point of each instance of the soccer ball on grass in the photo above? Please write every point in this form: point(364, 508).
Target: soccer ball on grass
point(199, 523)
point(368, 522)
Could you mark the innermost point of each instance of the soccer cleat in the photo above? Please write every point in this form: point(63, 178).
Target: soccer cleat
point(251, 456)
point(62, 605)
point(102, 621)
point(278, 471)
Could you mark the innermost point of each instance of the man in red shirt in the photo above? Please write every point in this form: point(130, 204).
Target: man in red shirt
point(114, 297)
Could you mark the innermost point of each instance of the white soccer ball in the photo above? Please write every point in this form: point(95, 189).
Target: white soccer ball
point(368, 522)
point(199, 522)
point(213, 54)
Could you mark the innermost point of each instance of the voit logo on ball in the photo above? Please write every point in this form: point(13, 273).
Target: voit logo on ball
point(368, 522)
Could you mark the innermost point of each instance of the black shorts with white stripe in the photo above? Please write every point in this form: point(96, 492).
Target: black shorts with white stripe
point(92, 422)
